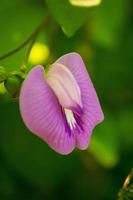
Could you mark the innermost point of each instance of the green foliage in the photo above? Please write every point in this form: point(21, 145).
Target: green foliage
point(126, 194)
point(20, 19)
point(103, 36)
point(107, 22)
point(69, 17)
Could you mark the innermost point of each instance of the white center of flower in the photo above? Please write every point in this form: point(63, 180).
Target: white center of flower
point(64, 85)
point(70, 118)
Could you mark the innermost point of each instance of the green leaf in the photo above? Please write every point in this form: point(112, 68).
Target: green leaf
point(104, 143)
point(69, 17)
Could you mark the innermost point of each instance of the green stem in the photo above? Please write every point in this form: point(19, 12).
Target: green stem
point(28, 51)
point(33, 35)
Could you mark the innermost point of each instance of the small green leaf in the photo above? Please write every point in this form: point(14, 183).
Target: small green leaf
point(69, 17)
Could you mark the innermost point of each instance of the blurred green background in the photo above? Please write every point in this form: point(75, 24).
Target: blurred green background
point(103, 35)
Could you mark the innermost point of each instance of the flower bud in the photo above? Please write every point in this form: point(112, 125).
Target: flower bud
point(13, 84)
point(2, 74)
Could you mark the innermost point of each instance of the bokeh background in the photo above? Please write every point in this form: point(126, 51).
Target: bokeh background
point(103, 35)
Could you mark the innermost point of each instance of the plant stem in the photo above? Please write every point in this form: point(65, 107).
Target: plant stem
point(32, 36)
point(29, 50)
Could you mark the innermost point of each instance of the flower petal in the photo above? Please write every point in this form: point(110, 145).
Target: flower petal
point(64, 85)
point(42, 113)
point(92, 112)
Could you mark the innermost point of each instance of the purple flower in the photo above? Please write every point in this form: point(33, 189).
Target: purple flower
point(62, 106)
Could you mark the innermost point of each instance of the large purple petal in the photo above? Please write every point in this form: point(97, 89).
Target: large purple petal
point(92, 112)
point(42, 113)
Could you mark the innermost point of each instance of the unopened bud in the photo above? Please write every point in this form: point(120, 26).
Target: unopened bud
point(13, 84)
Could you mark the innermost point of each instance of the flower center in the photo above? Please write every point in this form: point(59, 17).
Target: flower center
point(65, 87)
point(70, 118)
